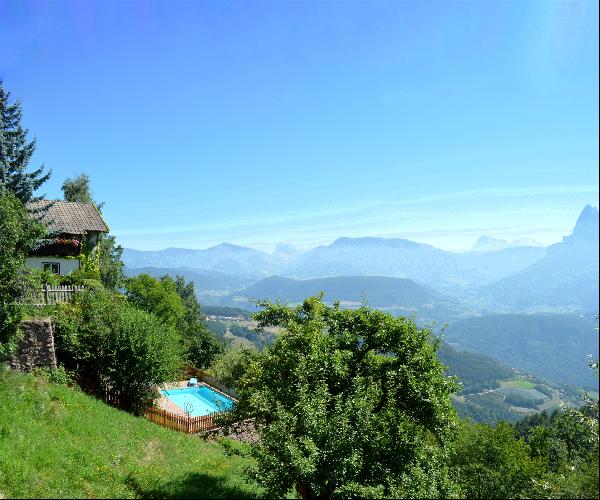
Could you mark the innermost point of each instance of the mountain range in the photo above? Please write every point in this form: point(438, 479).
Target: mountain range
point(494, 276)
point(487, 244)
point(566, 277)
point(497, 298)
point(224, 259)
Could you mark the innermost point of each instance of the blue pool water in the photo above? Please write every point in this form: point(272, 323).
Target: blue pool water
point(198, 400)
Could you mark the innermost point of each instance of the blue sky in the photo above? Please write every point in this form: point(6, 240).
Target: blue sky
point(261, 122)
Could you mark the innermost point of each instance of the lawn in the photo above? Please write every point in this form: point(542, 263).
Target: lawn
point(56, 442)
point(519, 383)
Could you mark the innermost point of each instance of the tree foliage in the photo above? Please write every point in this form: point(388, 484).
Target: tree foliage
point(232, 364)
point(15, 153)
point(19, 233)
point(174, 301)
point(110, 265)
point(114, 345)
point(78, 189)
point(201, 345)
point(491, 462)
point(349, 403)
point(158, 297)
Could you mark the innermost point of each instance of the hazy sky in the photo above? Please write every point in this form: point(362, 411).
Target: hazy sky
point(259, 122)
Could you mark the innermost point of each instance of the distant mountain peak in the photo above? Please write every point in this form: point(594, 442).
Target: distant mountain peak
point(588, 212)
point(586, 227)
point(371, 240)
point(285, 247)
point(227, 245)
point(489, 244)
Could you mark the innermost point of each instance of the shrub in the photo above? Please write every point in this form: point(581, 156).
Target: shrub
point(115, 346)
point(231, 366)
point(55, 375)
point(42, 277)
point(79, 277)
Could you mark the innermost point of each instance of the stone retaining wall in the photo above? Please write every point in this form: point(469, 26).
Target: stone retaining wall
point(36, 347)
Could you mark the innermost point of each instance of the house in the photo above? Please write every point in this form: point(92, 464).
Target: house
point(73, 230)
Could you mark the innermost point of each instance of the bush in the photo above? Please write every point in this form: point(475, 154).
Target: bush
point(231, 366)
point(55, 375)
point(80, 277)
point(42, 277)
point(115, 346)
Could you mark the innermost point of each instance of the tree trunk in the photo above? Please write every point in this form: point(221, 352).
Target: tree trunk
point(303, 490)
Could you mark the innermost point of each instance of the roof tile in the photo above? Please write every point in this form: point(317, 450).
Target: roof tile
point(69, 217)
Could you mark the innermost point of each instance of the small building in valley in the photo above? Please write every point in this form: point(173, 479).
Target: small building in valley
point(73, 230)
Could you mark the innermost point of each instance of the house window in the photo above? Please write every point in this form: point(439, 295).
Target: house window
point(53, 267)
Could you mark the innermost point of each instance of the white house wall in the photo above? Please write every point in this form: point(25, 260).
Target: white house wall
point(67, 266)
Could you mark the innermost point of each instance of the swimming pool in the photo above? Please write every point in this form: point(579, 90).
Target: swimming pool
point(198, 400)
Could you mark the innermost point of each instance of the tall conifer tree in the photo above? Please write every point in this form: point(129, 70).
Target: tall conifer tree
point(15, 153)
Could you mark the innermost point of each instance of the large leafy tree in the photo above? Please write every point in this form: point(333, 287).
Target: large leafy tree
point(158, 297)
point(78, 189)
point(19, 233)
point(111, 263)
point(16, 151)
point(175, 303)
point(202, 346)
point(490, 462)
point(348, 403)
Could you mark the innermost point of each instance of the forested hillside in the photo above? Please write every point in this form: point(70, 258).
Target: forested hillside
point(554, 346)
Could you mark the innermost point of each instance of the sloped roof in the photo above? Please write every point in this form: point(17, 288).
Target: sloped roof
point(69, 217)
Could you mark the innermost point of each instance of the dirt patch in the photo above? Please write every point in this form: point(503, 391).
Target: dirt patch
point(244, 431)
point(152, 449)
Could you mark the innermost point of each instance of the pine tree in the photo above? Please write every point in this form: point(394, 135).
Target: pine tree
point(15, 153)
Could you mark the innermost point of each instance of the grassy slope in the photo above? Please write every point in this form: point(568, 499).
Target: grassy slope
point(57, 442)
point(519, 383)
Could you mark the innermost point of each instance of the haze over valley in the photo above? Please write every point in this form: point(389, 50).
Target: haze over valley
point(516, 293)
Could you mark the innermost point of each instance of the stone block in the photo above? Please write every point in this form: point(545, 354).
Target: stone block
point(36, 348)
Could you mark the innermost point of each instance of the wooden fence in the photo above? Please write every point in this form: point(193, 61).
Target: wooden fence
point(101, 389)
point(53, 294)
point(215, 383)
point(157, 415)
point(179, 422)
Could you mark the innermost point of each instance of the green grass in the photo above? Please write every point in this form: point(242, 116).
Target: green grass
point(56, 442)
point(520, 383)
